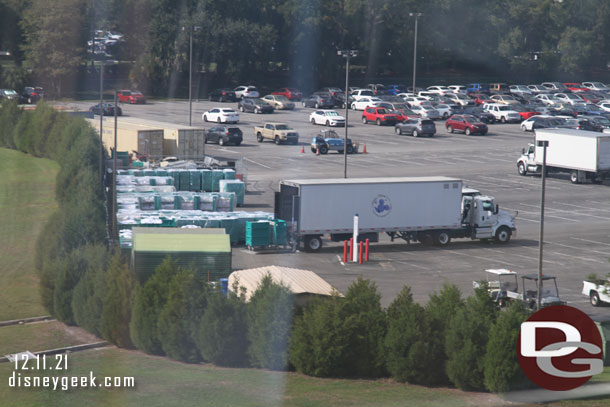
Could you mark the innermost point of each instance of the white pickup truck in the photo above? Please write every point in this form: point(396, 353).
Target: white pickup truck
point(598, 291)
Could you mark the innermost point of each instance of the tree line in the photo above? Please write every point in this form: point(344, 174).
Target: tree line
point(241, 40)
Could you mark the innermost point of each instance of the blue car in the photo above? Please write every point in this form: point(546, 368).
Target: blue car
point(396, 89)
point(477, 88)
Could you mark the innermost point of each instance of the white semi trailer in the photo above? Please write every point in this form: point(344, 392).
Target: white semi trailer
point(423, 209)
point(585, 155)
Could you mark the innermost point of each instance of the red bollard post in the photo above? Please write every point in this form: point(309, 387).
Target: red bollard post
point(366, 253)
point(351, 248)
point(345, 251)
point(360, 252)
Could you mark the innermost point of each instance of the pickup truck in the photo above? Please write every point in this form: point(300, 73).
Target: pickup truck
point(598, 291)
point(278, 132)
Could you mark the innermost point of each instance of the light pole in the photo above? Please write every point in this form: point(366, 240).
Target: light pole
point(416, 15)
point(347, 54)
point(114, 211)
point(544, 144)
point(101, 121)
point(191, 29)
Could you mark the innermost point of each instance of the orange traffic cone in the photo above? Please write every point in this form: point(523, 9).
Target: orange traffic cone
point(302, 149)
point(317, 150)
point(364, 149)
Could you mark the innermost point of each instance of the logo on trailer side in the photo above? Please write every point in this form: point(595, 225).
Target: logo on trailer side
point(381, 205)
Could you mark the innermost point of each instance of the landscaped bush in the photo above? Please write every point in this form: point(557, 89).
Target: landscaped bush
point(180, 315)
point(270, 316)
point(89, 293)
point(147, 306)
point(222, 337)
point(9, 116)
point(502, 370)
point(466, 341)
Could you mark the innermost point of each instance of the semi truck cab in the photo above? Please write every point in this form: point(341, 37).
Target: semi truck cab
point(485, 219)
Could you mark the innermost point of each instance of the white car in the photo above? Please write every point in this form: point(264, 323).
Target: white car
point(569, 98)
point(327, 118)
point(439, 90)
point(248, 91)
point(460, 99)
point(460, 89)
point(406, 95)
point(505, 99)
point(416, 101)
point(537, 89)
point(604, 105)
point(596, 86)
point(528, 124)
point(548, 99)
point(444, 110)
point(519, 90)
point(365, 102)
point(502, 113)
point(362, 93)
point(220, 115)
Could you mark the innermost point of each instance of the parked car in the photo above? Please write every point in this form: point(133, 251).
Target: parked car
point(405, 114)
point(439, 90)
point(604, 105)
point(427, 111)
point(416, 127)
point(480, 114)
point(583, 124)
point(327, 118)
point(460, 99)
point(444, 110)
point(415, 101)
point(220, 115)
point(396, 89)
point(575, 87)
point(393, 105)
point(548, 99)
point(519, 90)
point(224, 135)
point(505, 99)
point(379, 115)
point(222, 95)
point(31, 95)
point(603, 121)
point(596, 86)
point(524, 112)
point(107, 109)
point(377, 88)
point(254, 105)
point(329, 140)
point(278, 132)
point(481, 98)
point(290, 93)
point(555, 87)
point(364, 102)
point(541, 122)
point(131, 97)
point(537, 89)
point(569, 98)
point(477, 88)
point(501, 88)
point(361, 93)
point(591, 96)
point(562, 109)
point(9, 94)
point(458, 89)
point(279, 102)
point(318, 102)
point(465, 123)
point(502, 113)
point(249, 91)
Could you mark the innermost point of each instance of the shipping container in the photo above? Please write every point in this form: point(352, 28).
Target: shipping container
point(131, 137)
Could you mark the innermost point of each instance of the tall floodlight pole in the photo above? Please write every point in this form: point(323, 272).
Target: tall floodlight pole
point(347, 54)
point(544, 144)
point(191, 29)
point(416, 15)
point(101, 121)
point(114, 154)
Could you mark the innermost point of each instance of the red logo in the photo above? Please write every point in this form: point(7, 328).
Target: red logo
point(560, 348)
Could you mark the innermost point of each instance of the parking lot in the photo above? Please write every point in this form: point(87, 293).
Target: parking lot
point(577, 221)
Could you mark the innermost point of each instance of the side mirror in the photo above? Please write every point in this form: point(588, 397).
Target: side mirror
point(523, 151)
point(496, 210)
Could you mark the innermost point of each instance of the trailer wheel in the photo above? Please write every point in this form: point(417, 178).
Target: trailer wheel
point(313, 243)
point(594, 298)
point(503, 235)
point(442, 238)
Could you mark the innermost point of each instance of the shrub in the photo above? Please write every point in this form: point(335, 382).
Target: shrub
point(502, 370)
point(411, 354)
point(116, 304)
point(270, 315)
point(186, 302)
point(9, 116)
point(466, 341)
point(147, 306)
point(222, 337)
point(87, 300)
point(22, 133)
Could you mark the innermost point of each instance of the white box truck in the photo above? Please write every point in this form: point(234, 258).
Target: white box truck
point(423, 209)
point(585, 155)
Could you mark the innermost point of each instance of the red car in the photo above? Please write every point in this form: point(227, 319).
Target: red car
point(379, 115)
point(525, 112)
point(131, 96)
point(290, 93)
point(405, 114)
point(480, 98)
point(576, 87)
point(465, 123)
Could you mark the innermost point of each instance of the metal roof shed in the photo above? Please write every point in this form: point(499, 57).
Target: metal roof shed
point(209, 253)
point(304, 284)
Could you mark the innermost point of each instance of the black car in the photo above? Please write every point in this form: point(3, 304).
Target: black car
point(480, 114)
point(31, 95)
point(584, 124)
point(8, 94)
point(222, 95)
point(318, 102)
point(108, 109)
point(254, 105)
point(224, 135)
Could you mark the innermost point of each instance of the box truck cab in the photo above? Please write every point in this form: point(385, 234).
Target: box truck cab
point(429, 210)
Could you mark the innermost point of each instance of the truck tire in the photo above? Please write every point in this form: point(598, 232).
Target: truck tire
point(350, 149)
point(442, 238)
point(503, 119)
point(277, 140)
point(259, 137)
point(594, 298)
point(574, 177)
point(312, 243)
point(503, 234)
point(521, 169)
point(323, 149)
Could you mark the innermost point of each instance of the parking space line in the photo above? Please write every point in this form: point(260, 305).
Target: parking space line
point(435, 160)
point(578, 257)
point(590, 241)
point(527, 257)
point(403, 161)
point(487, 259)
point(257, 163)
point(503, 180)
point(582, 207)
point(579, 248)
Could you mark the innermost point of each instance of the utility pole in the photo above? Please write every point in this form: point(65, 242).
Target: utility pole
point(191, 29)
point(416, 15)
point(347, 54)
point(544, 144)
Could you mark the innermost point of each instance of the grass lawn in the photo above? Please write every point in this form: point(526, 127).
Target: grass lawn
point(27, 198)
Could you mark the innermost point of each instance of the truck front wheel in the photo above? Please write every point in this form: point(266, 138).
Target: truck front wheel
point(522, 169)
point(594, 298)
point(503, 235)
point(442, 238)
point(313, 243)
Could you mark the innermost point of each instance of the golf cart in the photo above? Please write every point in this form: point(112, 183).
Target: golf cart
point(502, 285)
point(550, 293)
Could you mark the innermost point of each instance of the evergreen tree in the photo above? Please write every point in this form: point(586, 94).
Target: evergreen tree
point(116, 304)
